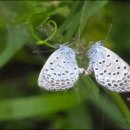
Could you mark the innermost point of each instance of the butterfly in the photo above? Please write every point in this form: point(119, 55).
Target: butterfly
point(60, 71)
point(109, 69)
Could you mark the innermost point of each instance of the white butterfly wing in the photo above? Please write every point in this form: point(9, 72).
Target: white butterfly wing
point(60, 71)
point(110, 70)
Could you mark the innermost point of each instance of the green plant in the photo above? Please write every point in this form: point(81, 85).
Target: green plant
point(23, 104)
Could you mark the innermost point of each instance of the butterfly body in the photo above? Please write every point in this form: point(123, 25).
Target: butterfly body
point(60, 71)
point(109, 69)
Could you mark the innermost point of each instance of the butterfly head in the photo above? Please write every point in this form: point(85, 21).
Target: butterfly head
point(92, 52)
point(67, 50)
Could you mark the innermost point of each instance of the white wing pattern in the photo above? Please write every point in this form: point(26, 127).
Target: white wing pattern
point(109, 69)
point(60, 71)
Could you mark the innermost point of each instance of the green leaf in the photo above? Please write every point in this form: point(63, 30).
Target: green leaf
point(16, 38)
point(79, 117)
point(111, 110)
point(122, 105)
point(36, 106)
point(90, 8)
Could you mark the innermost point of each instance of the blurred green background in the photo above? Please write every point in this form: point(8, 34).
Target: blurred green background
point(23, 105)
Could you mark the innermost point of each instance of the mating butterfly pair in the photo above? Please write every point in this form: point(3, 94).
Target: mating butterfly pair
point(61, 71)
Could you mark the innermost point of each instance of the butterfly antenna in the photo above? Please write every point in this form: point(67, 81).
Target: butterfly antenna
point(108, 31)
point(38, 52)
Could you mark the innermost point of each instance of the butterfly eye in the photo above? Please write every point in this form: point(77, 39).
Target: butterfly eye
point(101, 43)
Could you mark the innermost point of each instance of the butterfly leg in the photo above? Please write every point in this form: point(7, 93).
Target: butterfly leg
point(82, 70)
point(88, 71)
point(85, 71)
